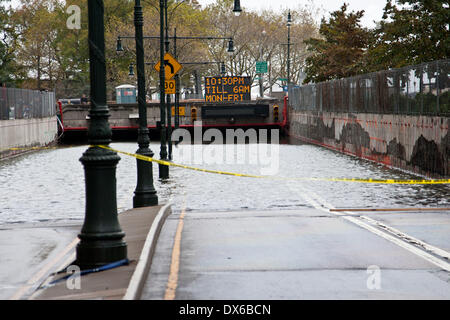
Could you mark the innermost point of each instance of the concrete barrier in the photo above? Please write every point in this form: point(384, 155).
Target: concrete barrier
point(257, 113)
point(416, 143)
point(25, 133)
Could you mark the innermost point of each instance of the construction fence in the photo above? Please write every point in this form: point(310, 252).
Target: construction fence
point(420, 89)
point(26, 104)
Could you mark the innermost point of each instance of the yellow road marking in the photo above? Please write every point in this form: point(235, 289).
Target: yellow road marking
point(172, 282)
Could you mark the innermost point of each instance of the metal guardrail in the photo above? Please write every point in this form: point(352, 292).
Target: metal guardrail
point(420, 89)
point(26, 104)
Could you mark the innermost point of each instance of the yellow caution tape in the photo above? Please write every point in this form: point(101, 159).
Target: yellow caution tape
point(31, 148)
point(34, 148)
point(27, 148)
point(373, 181)
point(388, 181)
point(167, 163)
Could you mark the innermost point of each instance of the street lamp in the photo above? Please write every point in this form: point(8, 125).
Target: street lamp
point(145, 193)
point(237, 8)
point(222, 69)
point(119, 47)
point(230, 50)
point(131, 71)
point(101, 238)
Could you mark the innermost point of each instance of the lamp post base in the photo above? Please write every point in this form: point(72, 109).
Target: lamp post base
point(144, 199)
point(163, 171)
point(145, 194)
point(93, 254)
point(101, 238)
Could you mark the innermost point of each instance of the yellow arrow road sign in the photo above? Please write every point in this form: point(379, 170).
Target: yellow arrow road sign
point(171, 66)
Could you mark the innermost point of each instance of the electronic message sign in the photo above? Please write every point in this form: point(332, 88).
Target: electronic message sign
point(227, 89)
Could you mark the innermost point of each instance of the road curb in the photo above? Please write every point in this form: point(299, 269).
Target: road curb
point(136, 284)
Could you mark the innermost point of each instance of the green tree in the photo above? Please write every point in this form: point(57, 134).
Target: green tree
point(9, 69)
point(185, 16)
point(36, 24)
point(262, 36)
point(411, 32)
point(340, 50)
point(72, 51)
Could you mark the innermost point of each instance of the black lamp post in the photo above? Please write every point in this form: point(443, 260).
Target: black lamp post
point(168, 111)
point(163, 170)
point(289, 22)
point(145, 193)
point(177, 84)
point(101, 238)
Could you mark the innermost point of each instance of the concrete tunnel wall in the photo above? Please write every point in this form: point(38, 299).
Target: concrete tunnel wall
point(420, 144)
point(23, 133)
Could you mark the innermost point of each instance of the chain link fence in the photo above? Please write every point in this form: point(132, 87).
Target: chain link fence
point(26, 104)
point(420, 89)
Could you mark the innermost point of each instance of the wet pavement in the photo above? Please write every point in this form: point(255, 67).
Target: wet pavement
point(141, 227)
point(29, 252)
point(289, 254)
point(264, 231)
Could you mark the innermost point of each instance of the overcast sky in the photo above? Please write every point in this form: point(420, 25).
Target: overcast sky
point(373, 8)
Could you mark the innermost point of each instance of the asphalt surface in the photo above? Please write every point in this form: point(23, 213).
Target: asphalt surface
point(309, 253)
point(299, 254)
point(29, 252)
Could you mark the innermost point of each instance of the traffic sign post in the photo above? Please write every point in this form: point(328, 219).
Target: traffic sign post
point(171, 66)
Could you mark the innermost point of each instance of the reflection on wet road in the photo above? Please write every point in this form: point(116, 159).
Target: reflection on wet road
point(49, 185)
point(42, 194)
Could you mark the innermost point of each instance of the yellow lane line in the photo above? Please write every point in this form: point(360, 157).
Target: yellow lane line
point(172, 282)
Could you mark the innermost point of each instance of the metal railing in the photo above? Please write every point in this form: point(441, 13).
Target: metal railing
point(420, 89)
point(26, 104)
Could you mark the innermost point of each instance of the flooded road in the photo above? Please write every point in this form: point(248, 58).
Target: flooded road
point(42, 194)
point(49, 185)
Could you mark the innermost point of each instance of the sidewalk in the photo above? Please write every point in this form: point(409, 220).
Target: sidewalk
point(141, 227)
